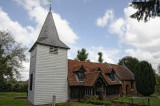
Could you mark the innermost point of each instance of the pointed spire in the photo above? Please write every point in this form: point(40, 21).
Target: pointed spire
point(48, 34)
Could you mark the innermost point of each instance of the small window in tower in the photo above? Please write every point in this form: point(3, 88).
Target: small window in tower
point(53, 50)
point(31, 81)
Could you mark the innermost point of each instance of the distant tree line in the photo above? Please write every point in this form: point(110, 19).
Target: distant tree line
point(15, 86)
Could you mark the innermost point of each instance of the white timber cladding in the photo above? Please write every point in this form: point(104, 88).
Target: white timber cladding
point(51, 75)
point(32, 70)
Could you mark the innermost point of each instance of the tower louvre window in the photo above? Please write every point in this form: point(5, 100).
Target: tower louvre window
point(53, 50)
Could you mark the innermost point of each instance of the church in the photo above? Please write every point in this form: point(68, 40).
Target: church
point(52, 73)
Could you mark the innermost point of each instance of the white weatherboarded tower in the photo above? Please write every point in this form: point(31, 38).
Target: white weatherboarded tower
point(48, 66)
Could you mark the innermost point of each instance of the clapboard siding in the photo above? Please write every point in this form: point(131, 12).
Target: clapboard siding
point(32, 70)
point(51, 75)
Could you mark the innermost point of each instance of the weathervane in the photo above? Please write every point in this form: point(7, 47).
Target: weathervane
point(50, 2)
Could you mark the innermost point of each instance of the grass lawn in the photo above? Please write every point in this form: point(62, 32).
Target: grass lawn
point(80, 104)
point(7, 99)
point(76, 104)
point(154, 100)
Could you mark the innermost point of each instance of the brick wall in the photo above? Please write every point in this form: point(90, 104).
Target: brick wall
point(125, 89)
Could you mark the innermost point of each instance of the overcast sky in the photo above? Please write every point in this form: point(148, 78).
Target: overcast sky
point(97, 25)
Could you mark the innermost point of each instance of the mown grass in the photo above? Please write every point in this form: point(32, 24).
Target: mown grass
point(7, 99)
point(154, 100)
point(76, 104)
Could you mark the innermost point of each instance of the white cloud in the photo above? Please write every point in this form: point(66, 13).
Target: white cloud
point(117, 26)
point(38, 14)
point(109, 55)
point(73, 51)
point(21, 34)
point(138, 34)
point(25, 72)
point(144, 37)
point(102, 21)
point(66, 34)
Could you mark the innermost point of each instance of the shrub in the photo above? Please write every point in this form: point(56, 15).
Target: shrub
point(96, 101)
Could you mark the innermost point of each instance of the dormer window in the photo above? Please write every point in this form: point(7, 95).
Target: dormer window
point(111, 76)
point(53, 50)
point(80, 74)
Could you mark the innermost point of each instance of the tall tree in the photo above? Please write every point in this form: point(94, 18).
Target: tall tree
point(145, 9)
point(4, 69)
point(82, 55)
point(100, 59)
point(158, 68)
point(129, 62)
point(12, 54)
point(157, 79)
point(145, 78)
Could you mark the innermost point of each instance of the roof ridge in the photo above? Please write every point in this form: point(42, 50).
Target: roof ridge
point(85, 61)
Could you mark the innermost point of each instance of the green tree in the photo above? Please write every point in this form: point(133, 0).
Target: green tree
point(146, 9)
point(129, 62)
point(145, 78)
point(12, 54)
point(82, 55)
point(157, 79)
point(100, 59)
point(158, 68)
point(5, 70)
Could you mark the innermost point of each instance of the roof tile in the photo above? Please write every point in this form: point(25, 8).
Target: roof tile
point(91, 73)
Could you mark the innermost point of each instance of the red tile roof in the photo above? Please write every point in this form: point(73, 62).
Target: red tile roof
point(123, 72)
point(92, 73)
